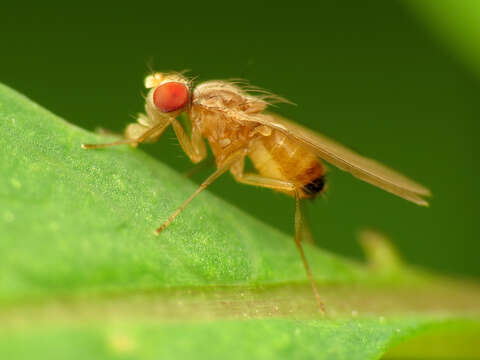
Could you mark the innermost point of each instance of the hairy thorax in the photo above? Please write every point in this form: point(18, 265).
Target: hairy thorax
point(215, 109)
point(224, 134)
point(217, 114)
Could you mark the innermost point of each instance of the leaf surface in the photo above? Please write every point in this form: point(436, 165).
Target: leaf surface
point(83, 276)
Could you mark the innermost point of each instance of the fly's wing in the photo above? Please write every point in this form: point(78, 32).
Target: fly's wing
point(363, 168)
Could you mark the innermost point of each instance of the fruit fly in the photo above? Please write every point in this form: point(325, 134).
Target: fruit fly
point(234, 121)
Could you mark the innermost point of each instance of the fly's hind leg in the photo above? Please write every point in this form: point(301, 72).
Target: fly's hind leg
point(306, 232)
point(259, 180)
point(299, 230)
point(281, 185)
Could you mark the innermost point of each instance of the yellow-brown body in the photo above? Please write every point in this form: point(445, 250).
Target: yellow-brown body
point(273, 154)
point(278, 156)
point(235, 124)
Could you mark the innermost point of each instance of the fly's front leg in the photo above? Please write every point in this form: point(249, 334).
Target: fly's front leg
point(136, 133)
point(146, 131)
point(194, 147)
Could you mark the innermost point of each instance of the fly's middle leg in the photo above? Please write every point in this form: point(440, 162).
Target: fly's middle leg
point(193, 146)
point(226, 165)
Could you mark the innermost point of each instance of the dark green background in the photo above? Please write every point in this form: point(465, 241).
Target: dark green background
point(370, 74)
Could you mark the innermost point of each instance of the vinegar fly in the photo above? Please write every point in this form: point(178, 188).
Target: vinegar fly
point(233, 119)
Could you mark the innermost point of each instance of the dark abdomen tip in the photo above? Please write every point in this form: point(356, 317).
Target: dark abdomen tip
point(315, 187)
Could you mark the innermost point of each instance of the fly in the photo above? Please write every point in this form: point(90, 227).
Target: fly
point(236, 125)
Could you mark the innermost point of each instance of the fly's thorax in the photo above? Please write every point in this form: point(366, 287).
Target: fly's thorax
point(224, 95)
point(218, 112)
point(224, 134)
point(282, 157)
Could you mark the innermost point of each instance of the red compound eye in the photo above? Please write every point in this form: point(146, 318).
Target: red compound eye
point(170, 96)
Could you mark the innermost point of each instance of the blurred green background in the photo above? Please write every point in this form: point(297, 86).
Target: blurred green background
point(388, 78)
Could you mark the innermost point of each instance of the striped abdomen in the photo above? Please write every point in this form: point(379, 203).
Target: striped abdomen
point(280, 157)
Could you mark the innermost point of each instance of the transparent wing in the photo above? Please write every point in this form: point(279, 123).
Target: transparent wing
point(363, 168)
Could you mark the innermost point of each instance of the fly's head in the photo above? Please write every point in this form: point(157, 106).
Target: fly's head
point(169, 95)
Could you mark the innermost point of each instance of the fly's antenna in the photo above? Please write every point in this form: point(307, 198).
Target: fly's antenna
point(183, 72)
point(150, 66)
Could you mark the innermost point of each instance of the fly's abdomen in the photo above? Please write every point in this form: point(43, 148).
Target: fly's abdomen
point(280, 157)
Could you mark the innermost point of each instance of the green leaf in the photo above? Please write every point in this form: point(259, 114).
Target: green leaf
point(83, 276)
